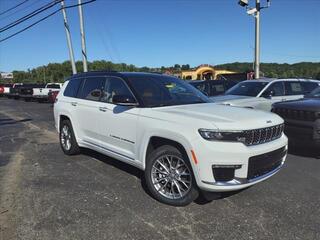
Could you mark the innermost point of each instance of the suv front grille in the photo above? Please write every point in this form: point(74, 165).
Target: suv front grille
point(296, 114)
point(264, 163)
point(263, 135)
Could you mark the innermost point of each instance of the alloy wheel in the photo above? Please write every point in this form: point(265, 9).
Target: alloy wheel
point(65, 137)
point(171, 177)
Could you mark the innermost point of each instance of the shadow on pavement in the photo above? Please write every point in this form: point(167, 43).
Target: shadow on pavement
point(10, 121)
point(204, 197)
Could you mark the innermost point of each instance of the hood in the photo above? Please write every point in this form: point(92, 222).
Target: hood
point(218, 116)
point(306, 104)
point(229, 99)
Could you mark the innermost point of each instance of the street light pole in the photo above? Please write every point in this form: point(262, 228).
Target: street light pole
point(83, 40)
point(66, 27)
point(256, 13)
point(257, 42)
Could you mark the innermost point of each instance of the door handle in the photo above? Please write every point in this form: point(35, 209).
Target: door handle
point(74, 104)
point(103, 109)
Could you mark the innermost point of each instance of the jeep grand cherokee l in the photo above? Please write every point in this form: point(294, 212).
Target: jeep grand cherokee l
point(180, 139)
point(302, 119)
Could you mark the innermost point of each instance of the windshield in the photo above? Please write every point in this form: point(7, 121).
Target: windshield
point(314, 94)
point(251, 89)
point(159, 91)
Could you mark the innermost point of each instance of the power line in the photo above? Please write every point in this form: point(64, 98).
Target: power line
point(8, 10)
point(19, 10)
point(30, 15)
point(44, 18)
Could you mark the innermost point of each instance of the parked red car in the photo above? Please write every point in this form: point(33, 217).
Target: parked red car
point(52, 96)
point(1, 90)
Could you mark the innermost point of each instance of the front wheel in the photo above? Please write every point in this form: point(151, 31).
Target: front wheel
point(169, 177)
point(68, 141)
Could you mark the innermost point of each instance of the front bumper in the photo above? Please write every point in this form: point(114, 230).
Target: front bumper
point(214, 153)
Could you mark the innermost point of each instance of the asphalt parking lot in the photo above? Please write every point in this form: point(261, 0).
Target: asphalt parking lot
point(47, 195)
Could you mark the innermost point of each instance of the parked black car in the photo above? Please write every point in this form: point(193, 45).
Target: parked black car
point(14, 91)
point(302, 119)
point(213, 87)
point(26, 91)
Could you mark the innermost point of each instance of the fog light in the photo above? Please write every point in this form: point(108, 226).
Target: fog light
point(224, 173)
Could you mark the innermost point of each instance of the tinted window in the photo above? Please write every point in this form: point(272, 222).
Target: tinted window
point(309, 86)
point(72, 88)
point(247, 88)
point(115, 86)
point(158, 91)
point(293, 88)
point(92, 88)
point(314, 94)
point(53, 86)
point(202, 86)
point(277, 89)
point(216, 88)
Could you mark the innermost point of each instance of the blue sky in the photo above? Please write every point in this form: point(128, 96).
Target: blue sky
point(158, 33)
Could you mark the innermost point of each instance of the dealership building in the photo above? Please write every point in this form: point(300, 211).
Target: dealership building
point(204, 72)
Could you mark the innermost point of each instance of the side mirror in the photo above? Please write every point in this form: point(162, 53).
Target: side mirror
point(124, 100)
point(268, 94)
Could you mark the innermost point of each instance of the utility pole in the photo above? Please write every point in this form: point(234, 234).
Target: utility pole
point(83, 39)
point(44, 74)
point(66, 27)
point(257, 42)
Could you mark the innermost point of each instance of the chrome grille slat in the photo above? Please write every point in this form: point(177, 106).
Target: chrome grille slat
point(263, 135)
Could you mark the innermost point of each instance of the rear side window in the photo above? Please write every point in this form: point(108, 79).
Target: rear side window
point(72, 88)
point(309, 86)
point(92, 88)
point(293, 88)
point(116, 86)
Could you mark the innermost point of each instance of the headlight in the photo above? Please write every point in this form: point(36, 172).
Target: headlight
point(215, 135)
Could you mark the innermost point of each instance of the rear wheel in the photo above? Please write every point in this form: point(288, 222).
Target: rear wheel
point(169, 177)
point(68, 141)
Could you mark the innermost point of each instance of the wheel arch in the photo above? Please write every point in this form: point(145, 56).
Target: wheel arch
point(157, 140)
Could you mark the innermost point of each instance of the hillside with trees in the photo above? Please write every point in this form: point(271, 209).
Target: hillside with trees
point(276, 70)
point(58, 72)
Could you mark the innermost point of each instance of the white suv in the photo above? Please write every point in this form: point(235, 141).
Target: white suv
point(262, 93)
point(164, 126)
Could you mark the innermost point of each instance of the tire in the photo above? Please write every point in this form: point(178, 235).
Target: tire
point(170, 189)
point(68, 142)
